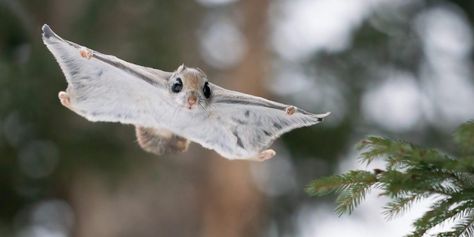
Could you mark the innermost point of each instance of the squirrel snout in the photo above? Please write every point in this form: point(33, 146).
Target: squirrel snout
point(192, 99)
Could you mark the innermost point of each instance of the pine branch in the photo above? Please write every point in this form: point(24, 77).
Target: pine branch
point(340, 183)
point(401, 204)
point(411, 174)
point(377, 147)
point(439, 213)
point(349, 199)
point(465, 227)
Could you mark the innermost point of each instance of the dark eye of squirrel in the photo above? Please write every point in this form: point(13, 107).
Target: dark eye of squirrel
point(206, 90)
point(177, 85)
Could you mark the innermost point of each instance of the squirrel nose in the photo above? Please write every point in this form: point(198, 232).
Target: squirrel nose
point(192, 100)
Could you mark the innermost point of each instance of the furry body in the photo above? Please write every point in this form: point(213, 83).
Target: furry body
point(169, 108)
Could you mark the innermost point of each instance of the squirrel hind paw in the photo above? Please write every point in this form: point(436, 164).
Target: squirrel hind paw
point(266, 155)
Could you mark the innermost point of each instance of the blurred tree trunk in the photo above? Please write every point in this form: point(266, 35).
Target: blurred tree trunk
point(237, 209)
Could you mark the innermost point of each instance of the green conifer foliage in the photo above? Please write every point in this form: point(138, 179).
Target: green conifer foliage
point(412, 173)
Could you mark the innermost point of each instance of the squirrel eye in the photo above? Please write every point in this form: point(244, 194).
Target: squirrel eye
point(206, 90)
point(177, 85)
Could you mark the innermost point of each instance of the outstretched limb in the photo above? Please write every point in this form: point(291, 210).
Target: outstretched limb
point(160, 141)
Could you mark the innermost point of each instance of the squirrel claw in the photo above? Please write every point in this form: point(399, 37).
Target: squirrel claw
point(86, 53)
point(290, 110)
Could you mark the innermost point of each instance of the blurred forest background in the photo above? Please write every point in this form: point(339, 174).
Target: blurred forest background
point(397, 68)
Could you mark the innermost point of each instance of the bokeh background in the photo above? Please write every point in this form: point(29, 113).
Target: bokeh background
point(397, 68)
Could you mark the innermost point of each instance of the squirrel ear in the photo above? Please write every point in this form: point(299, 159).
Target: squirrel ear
point(181, 68)
point(201, 71)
